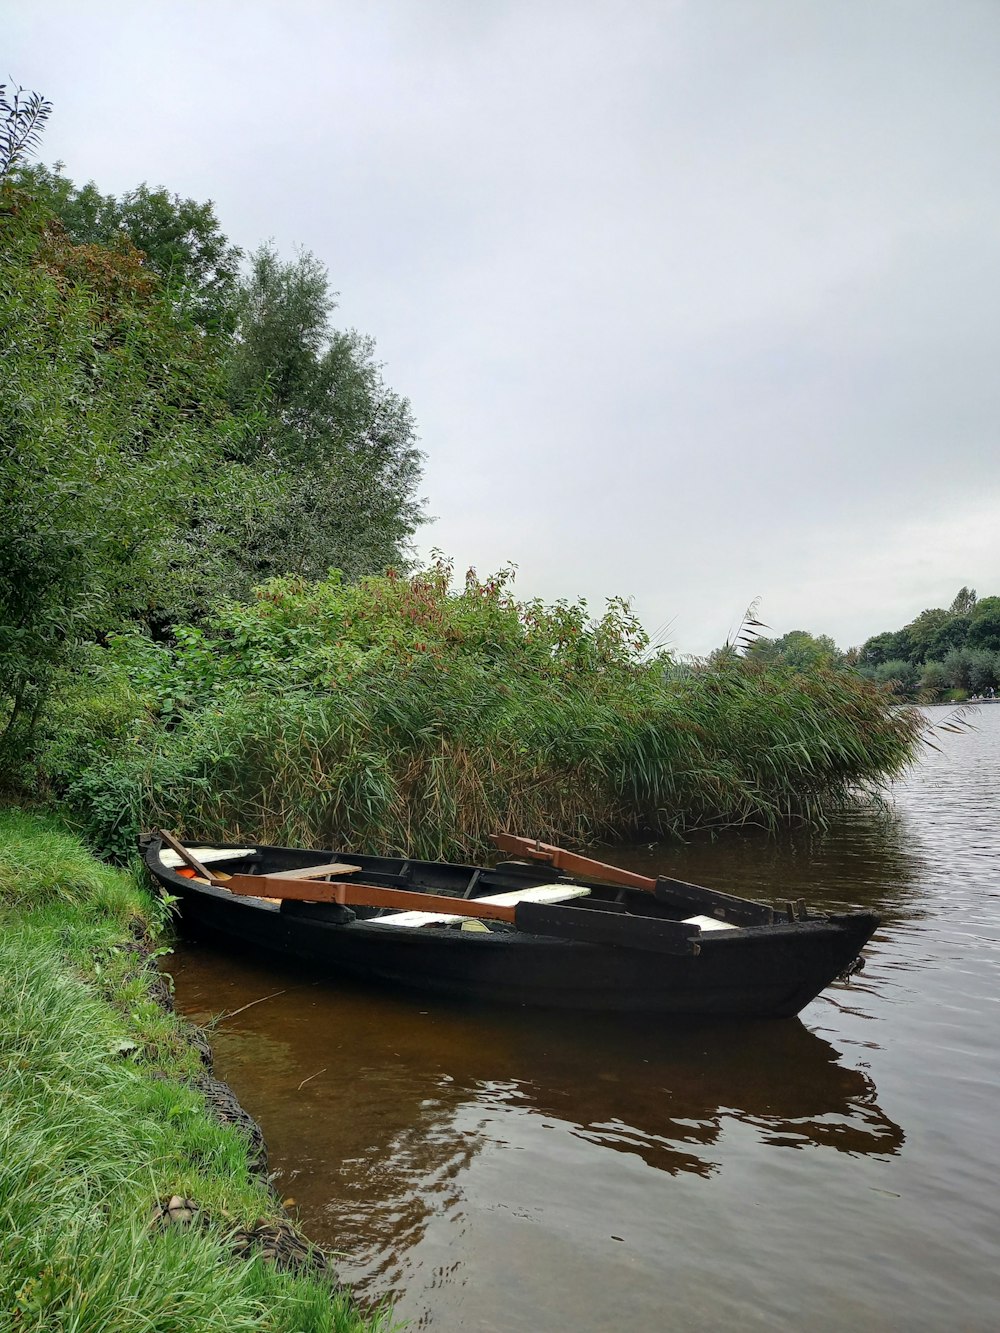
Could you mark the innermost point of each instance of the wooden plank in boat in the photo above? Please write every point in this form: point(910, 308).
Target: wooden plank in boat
point(207, 855)
point(319, 872)
point(536, 893)
point(710, 902)
point(708, 923)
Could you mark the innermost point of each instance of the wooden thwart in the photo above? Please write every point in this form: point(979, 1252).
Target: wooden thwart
point(318, 872)
point(209, 855)
point(535, 893)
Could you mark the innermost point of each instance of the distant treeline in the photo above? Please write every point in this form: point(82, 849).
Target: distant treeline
point(944, 653)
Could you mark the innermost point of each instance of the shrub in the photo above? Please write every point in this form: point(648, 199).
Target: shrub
point(401, 716)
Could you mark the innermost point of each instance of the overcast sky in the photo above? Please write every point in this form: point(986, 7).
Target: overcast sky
point(695, 301)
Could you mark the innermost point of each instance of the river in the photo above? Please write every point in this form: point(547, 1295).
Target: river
point(522, 1172)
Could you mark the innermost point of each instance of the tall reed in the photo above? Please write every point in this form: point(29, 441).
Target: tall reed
point(400, 716)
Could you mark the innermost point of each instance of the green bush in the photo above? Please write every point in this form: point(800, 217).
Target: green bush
point(401, 716)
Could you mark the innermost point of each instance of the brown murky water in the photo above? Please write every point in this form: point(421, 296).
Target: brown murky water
point(515, 1171)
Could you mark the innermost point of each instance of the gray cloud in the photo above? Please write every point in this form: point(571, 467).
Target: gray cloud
point(694, 301)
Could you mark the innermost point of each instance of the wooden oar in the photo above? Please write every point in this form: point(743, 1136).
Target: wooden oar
point(675, 892)
point(570, 863)
point(187, 857)
point(351, 894)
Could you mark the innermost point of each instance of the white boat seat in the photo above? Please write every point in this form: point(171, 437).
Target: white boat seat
point(709, 923)
point(206, 855)
point(538, 893)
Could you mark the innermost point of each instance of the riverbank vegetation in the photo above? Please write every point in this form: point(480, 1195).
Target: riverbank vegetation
point(101, 1119)
point(406, 716)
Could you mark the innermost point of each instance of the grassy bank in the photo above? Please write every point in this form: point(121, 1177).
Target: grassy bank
point(406, 717)
point(98, 1122)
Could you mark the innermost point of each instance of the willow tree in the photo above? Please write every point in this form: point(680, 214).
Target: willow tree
point(340, 443)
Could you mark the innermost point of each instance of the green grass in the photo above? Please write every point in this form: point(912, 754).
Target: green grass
point(90, 1139)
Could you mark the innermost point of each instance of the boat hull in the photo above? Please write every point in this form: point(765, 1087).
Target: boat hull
point(761, 971)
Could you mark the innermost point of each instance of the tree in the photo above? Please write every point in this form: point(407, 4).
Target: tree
point(982, 670)
point(798, 648)
point(153, 458)
point(951, 634)
point(965, 600)
point(934, 681)
point(984, 625)
point(22, 119)
point(110, 429)
point(956, 666)
point(903, 677)
point(923, 631)
point(181, 240)
point(892, 645)
point(342, 445)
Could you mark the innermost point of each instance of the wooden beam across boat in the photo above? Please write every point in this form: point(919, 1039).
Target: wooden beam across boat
point(321, 871)
point(351, 894)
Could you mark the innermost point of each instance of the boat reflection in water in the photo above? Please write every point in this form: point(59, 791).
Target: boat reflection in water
point(386, 1117)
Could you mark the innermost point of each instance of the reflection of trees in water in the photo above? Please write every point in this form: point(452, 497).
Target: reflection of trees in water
point(376, 1146)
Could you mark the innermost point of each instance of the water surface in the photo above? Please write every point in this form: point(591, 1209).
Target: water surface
point(497, 1170)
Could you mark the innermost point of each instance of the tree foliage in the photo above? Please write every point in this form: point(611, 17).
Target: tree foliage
point(963, 602)
point(108, 424)
point(954, 651)
point(342, 441)
point(170, 429)
point(797, 648)
point(984, 625)
point(22, 118)
point(181, 240)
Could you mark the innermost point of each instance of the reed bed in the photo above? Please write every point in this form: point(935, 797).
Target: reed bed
point(97, 1122)
point(402, 717)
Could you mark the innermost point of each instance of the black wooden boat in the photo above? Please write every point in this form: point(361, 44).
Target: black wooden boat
point(547, 929)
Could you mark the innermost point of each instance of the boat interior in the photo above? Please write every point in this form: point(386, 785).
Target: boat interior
point(505, 885)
